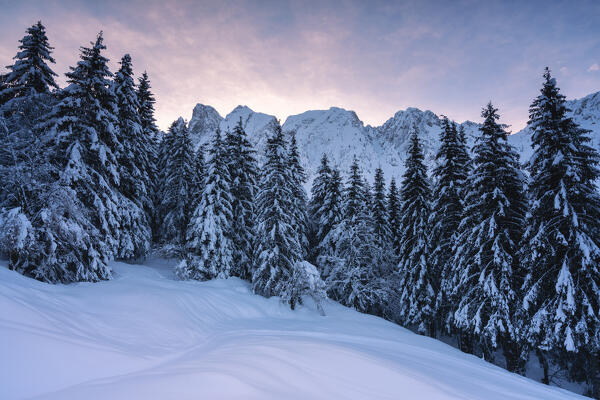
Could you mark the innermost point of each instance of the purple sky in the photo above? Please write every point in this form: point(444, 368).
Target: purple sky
point(375, 58)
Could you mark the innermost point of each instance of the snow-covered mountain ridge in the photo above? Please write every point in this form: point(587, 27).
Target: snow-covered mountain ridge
point(342, 135)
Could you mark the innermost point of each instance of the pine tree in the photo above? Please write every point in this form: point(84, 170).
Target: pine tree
point(28, 86)
point(133, 159)
point(381, 228)
point(30, 74)
point(152, 140)
point(487, 269)
point(394, 215)
point(315, 206)
point(330, 215)
point(299, 197)
point(349, 258)
point(82, 150)
point(561, 246)
point(209, 246)
point(244, 174)
point(417, 291)
point(146, 103)
point(278, 245)
point(450, 177)
point(177, 180)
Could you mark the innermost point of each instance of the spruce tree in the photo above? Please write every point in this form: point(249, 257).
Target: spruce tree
point(133, 159)
point(30, 74)
point(209, 246)
point(152, 140)
point(299, 197)
point(487, 270)
point(561, 246)
point(28, 86)
point(381, 228)
point(318, 192)
point(330, 215)
point(243, 170)
point(146, 103)
point(450, 177)
point(177, 180)
point(278, 245)
point(83, 150)
point(393, 214)
point(417, 290)
point(349, 259)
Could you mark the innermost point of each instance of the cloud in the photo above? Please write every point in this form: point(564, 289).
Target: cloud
point(593, 68)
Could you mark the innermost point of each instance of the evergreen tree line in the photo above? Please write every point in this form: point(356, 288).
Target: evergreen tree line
point(500, 258)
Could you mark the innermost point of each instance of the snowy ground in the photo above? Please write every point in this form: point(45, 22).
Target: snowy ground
point(144, 335)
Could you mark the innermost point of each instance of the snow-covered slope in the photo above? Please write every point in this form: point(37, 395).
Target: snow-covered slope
point(342, 135)
point(146, 336)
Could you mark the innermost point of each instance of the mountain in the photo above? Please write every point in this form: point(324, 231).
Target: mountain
point(584, 111)
point(341, 134)
point(146, 335)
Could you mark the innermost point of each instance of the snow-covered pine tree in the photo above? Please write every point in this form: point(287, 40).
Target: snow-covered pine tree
point(137, 146)
point(25, 173)
point(152, 139)
point(350, 252)
point(393, 214)
point(278, 246)
point(381, 228)
point(146, 102)
point(209, 248)
point(28, 86)
point(330, 215)
point(450, 176)
point(417, 283)
point(82, 146)
point(318, 192)
point(561, 246)
point(243, 170)
point(134, 183)
point(487, 271)
point(299, 197)
point(30, 74)
point(177, 176)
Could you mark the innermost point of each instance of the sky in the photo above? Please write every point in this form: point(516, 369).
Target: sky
point(373, 57)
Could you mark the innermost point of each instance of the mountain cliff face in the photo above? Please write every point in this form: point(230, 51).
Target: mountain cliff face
point(341, 135)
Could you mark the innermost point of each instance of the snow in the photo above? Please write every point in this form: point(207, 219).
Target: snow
point(145, 335)
point(341, 135)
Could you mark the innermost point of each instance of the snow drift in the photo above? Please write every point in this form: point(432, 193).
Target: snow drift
point(144, 335)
